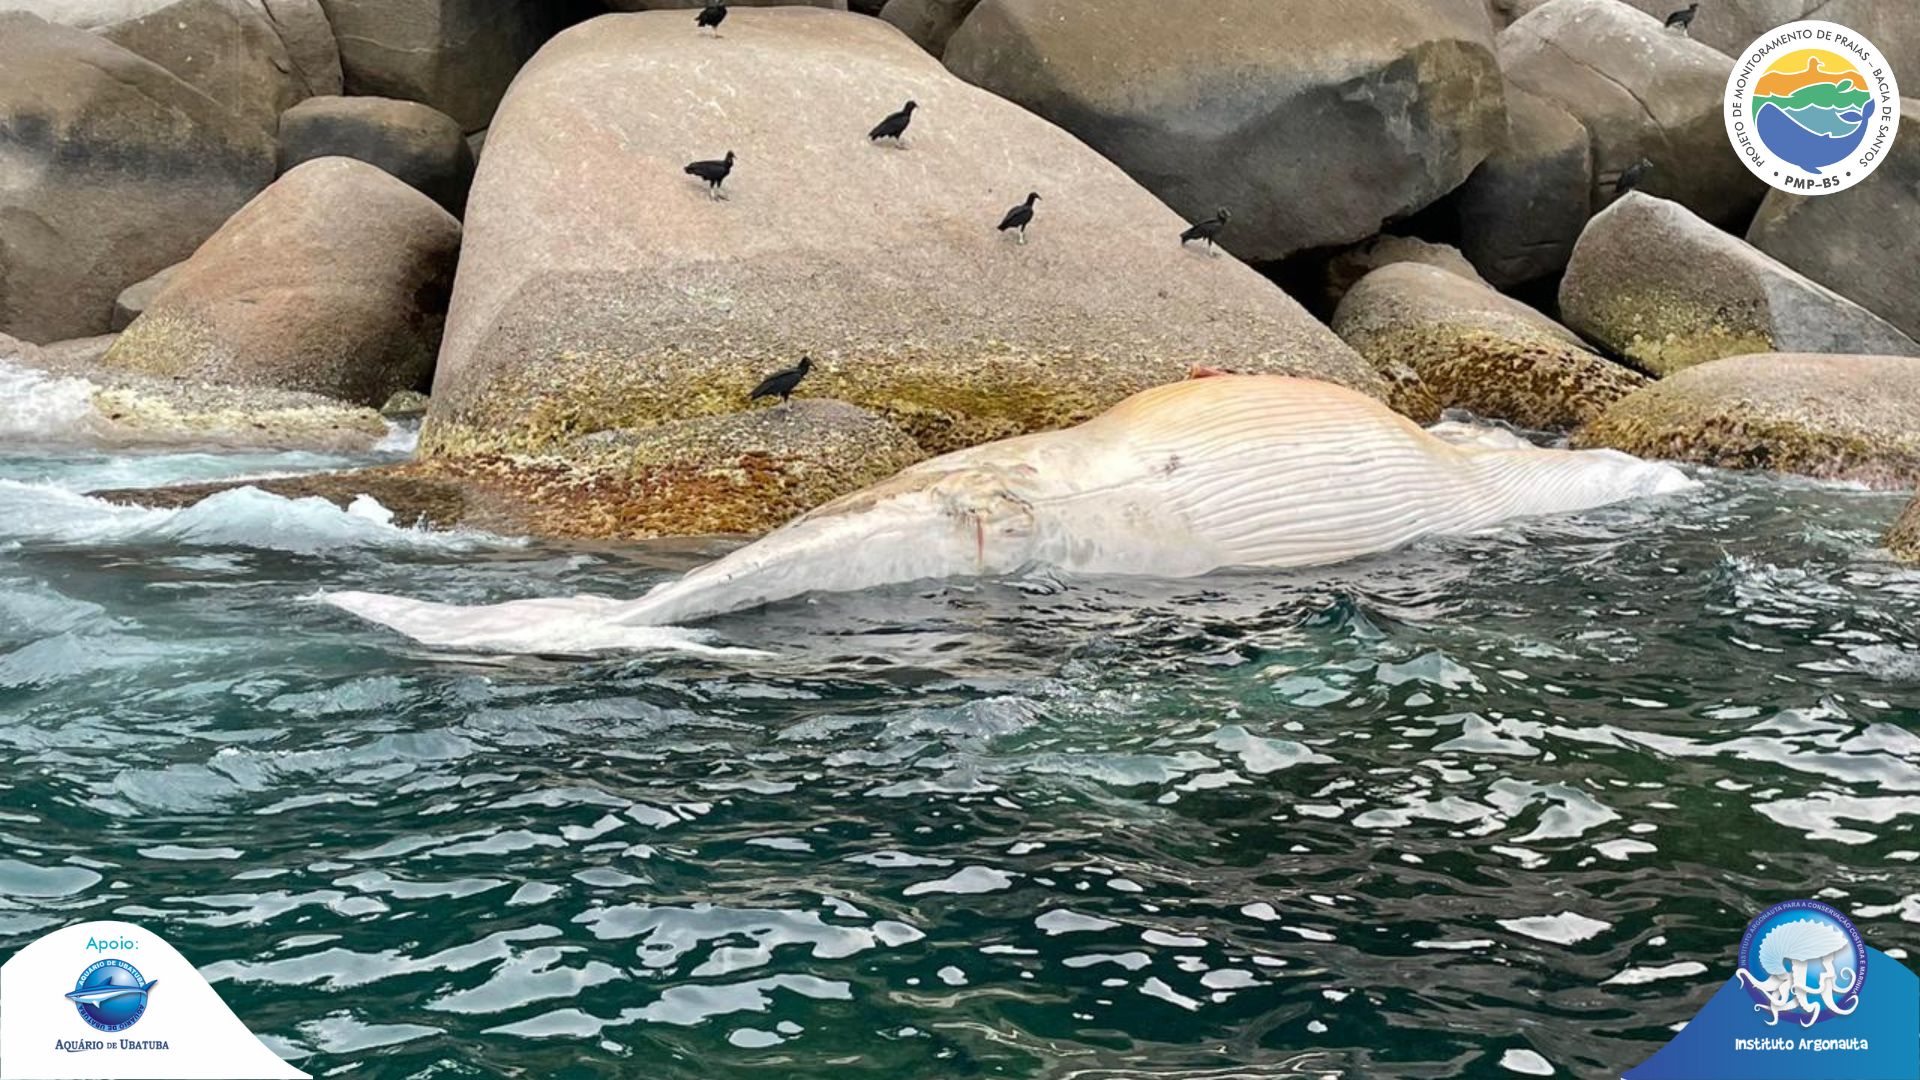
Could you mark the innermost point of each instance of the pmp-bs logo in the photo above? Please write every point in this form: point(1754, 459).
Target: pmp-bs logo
point(1812, 107)
point(111, 995)
point(1803, 960)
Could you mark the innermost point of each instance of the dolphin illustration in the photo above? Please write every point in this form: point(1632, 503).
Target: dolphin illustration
point(1176, 481)
point(95, 995)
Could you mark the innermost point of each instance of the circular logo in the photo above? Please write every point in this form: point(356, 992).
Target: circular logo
point(1812, 107)
point(1802, 960)
point(111, 995)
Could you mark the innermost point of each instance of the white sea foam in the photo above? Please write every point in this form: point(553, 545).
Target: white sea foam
point(241, 517)
point(35, 405)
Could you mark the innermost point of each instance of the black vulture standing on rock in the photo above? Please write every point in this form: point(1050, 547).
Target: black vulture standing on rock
point(711, 17)
point(1208, 230)
point(895, 126)
point(1684, 19)
point(714, 173)
point(1021, 216)
point(1631, 176)
point(781, 383)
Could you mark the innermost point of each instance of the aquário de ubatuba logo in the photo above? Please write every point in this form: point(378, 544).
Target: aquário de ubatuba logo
point(111, 995)
point(1812, 107)
point(1802, 960)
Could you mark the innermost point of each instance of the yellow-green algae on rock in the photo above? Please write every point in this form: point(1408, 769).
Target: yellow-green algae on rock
point(1836, 417)
point(1475, 349)
point(600, 288)
point(1904, 538)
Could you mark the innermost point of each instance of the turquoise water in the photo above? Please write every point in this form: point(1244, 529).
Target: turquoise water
point(1480, 808)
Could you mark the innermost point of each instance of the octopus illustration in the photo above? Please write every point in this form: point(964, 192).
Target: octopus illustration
point(1787, 954)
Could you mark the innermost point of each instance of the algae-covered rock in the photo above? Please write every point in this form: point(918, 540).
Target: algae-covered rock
point(333, 281)
point(116, 408)
point(741, 473)
point(1652, 282)
point(1477, 350)
point(1344, 270)
point(1835, 417)
point(601, 288)
point(1313, 122)
point(1904, 538)
point(133, 299)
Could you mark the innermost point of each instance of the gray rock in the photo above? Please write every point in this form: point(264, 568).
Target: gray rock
point(230, 50)
point(1345, 270)
point(304, 28)
point(114, 168)
point(1477, 350)
point(128, 409)
point(930, 23)
point(416, 143)
point(1731, 25)
point(134, 298)
point(455, 55)
point(688, 5)
point(1858, 242)
point(601, 288)
point(1522, 210)
point(334, 281)
point(1312, 123)
point(1837, 417)
point(1640, 92)
point(1656, 284)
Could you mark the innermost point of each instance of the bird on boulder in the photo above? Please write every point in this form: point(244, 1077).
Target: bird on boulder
point(781, 383)
point(1631, 176)
point(1021, 216)
point(1207, 230)
point(714, 173)
point(710, 18)
point(895, 126)
point(1683, 19)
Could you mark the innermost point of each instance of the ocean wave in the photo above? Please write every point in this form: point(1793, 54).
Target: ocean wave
point(35, 405)
point(242, 517)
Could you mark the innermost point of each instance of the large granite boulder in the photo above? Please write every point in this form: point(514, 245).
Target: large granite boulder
point(1313, 123)
point(1477, 350)
point(234, 51)
point(333, 281)
point(1904, 538)
point(1640, 91)
point(416, 143)
point(1344, 270)
point(1838, 417)
point(1523, 208)
point(70, 397)
point(110, 169)
point(688, 5)
point(1858, 242)
point(1653, 283)
point(133, 299)
point(1731, 25)
point(601, 288)
point(931, 23)
point(455, 55)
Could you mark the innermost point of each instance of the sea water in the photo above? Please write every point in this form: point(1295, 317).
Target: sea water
point(1492, 806)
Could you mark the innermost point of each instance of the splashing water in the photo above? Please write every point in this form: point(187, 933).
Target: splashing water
point(1494, 806)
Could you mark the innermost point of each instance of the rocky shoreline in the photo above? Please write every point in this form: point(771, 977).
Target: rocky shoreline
point(264, 247)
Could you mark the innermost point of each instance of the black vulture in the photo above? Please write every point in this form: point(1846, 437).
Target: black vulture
point(1021, 216)
point(1683, 18)
point(711, 17)
point(713, 172)
point(1208, 230)
point(1631, 176)
point(895, 126)
point(781, 383)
